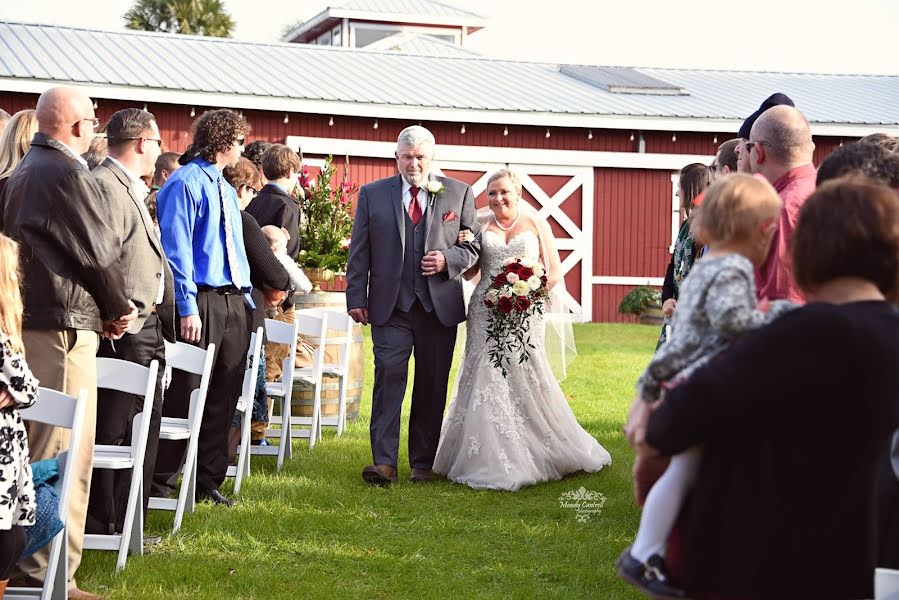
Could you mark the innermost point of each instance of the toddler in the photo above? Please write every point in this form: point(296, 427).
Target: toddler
point(737, 219)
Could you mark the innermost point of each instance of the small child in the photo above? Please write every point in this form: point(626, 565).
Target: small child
point(737, 220)
point(277, 238)
point(18, 389)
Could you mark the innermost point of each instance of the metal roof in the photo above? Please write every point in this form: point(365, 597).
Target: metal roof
point(407, 7)
point(417, 43)
point(160, 67)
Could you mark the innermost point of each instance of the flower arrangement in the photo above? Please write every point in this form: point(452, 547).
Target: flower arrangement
point(638, 301)
point(326, 221)
point(518, 291)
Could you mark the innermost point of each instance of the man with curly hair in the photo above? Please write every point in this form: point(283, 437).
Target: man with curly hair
point(200, 221)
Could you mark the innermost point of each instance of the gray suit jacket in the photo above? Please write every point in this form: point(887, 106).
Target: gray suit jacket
point(143, 259)
point(374, 271)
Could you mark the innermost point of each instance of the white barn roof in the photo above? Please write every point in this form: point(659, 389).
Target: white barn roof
point(172, 68)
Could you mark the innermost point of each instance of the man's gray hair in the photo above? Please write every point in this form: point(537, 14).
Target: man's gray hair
point(415, 136)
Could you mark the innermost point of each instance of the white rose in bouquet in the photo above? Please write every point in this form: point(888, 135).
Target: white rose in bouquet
point(492, 295)
point(528, 262)
point(521, 288)
point(506, 292)
point(512, 277)
point(534, 282)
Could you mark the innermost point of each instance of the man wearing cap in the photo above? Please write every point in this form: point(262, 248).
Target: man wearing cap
point(780, 148)
point(776, 99)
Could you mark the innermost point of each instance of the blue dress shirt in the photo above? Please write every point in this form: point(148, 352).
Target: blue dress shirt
point(193, 235)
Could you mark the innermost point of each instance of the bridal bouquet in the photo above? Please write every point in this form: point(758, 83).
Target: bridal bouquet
point(515, 293)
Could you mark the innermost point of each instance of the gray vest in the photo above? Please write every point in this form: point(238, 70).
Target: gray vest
point(414, 285)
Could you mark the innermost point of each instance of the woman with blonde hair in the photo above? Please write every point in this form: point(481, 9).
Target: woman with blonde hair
point(18, 389)
point(15, 142)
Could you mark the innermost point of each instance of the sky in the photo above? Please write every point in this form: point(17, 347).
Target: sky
point(768, 35)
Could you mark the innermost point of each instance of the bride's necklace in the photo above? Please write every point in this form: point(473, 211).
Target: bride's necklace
point(514, 221)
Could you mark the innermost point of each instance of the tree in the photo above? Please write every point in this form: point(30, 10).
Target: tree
point(285, 31)
point(192, 17)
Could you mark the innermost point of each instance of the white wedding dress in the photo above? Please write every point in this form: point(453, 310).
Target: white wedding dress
point(506, 433)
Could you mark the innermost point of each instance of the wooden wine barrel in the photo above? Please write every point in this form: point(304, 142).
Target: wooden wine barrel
point(301, 399)
point(653, 315)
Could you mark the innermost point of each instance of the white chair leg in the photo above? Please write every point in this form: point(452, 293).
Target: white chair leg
point(315, 428)
point(341, 404)
point(60, 577)
point(243, 455)
point(132, 532)
point(284, 451)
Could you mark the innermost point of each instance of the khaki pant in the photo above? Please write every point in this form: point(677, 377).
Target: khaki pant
point(65, 361)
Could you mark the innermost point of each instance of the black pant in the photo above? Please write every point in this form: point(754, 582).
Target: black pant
point(394, 341)
point(12, 543)
point(115, 413)
point(224, 323)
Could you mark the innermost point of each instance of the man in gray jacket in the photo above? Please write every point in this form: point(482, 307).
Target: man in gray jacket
point(134, 146)
point(404, 277)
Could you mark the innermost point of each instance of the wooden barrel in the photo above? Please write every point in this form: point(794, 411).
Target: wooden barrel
point(653, 315)
point(301, 399)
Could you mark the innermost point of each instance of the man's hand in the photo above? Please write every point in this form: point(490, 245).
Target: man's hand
point(117, 328)
point(635, 428)
point(274, 298)
point(433, 262)
point(360, 315)
point(465, 235)
point(190, 328)
point(668, 306)
point(6, 399)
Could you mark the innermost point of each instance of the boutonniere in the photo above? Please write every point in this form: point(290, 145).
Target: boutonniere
point(434, 187)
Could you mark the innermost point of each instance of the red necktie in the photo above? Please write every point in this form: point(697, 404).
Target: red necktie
point(414, 206)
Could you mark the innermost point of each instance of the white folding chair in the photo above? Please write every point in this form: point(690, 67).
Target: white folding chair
point(886, 584)
point(131, 378)
point(59, 410)
point(313, 324)
point(278, 332)
point(245, 410)
point(190, 359)
point(340, 368)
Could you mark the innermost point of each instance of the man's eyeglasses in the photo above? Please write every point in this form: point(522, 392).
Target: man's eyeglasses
point(714, 167)
point(94, 121)
point(750, 145)
point(146, 139)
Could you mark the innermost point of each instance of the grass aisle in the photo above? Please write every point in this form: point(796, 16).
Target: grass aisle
point(315, 530)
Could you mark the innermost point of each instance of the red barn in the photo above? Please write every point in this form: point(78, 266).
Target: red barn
point(597, 148)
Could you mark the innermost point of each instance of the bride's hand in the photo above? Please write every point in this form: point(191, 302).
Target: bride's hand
point(465, 235)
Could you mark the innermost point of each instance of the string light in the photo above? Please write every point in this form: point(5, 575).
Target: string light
point(462, 131)
point(632, 136)
point(145, 106)
point(673, 137)
point(193, 113)
point(375, 126)
point(505, 131)
point(286, 119)
point(547, 133)
point(589, 134)
point(715, 140)
point(331, 122)
point(95, 105)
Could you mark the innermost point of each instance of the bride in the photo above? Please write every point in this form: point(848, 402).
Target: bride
point(508, 432)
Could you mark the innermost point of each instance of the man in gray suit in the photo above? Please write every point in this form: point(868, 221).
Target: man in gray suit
point(403, 277)
point(134, 146)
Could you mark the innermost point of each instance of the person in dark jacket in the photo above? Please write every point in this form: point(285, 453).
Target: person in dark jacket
point(797, 419)
point(74, 286)
point(275, 205)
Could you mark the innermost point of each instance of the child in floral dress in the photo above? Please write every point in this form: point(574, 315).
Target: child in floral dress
point(18, 389)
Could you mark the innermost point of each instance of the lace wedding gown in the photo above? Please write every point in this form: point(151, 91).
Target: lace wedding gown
point(506, 433)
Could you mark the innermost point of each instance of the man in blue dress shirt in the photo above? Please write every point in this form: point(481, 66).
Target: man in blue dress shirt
point(200, 223)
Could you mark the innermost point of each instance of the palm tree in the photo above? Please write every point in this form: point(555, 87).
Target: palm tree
point(193, 17)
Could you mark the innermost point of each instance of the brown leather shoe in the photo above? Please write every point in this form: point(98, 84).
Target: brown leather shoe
point(379, 474)
point(77, 594)
point(422, 475)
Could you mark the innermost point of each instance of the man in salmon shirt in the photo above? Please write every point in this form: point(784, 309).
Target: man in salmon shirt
point(780, 148)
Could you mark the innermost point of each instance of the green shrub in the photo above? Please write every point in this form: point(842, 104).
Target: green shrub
point(638, 300)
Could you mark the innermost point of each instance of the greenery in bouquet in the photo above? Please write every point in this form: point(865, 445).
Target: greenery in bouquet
point(515, 293)
point(326, 218)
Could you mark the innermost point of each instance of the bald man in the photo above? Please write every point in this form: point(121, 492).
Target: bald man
point(780, 147)
point(73, 286)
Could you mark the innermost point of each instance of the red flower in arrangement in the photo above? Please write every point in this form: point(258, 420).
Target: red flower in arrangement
point(488, 303)
point(525, 272)
point(505, 304)
point(544, 280)
point(523, 304)
point(514, 267)
point(499, 280)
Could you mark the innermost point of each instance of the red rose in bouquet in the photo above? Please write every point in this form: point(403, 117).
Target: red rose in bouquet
point(505, 305)
point(522, 304)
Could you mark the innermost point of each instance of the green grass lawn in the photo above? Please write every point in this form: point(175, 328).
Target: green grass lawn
point(315, 530)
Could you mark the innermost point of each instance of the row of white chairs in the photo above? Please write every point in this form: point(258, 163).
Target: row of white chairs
point(61, 410)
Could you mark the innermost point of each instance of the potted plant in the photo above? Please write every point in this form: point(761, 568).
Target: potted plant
point(326, 222)
point(644, 303)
